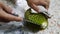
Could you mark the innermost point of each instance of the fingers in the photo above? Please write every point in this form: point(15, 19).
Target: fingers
point(34, 7)
point(47, 7)
point(34, 4)
point(6, 8)
point(48, 2)
point(9, 17)
point(45, 4)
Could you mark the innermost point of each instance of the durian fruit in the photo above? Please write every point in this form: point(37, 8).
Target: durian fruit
point(37, 19)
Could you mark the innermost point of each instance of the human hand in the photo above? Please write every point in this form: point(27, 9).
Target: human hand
point(34, 3)
point(5, 13)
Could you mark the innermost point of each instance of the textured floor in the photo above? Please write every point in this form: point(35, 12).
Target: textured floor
point(54, 22)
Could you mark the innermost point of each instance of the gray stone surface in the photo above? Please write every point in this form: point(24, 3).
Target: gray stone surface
point(54, 22)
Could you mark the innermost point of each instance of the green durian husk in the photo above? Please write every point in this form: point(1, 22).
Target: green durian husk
point(37, 18)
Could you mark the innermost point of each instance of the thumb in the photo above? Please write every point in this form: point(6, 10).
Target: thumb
point(6, 8)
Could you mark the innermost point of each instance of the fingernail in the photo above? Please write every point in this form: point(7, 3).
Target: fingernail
point(21, 18)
